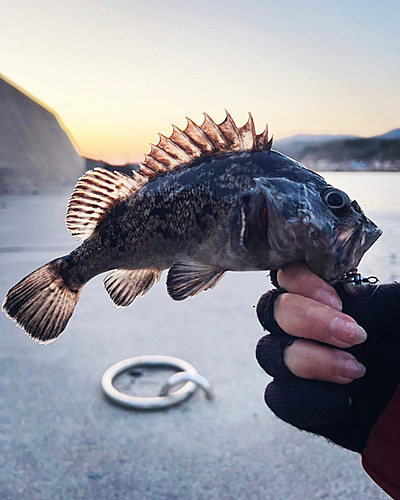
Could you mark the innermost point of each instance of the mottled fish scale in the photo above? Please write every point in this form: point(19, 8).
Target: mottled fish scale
point(207, 199)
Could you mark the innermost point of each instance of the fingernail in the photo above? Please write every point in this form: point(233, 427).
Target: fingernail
point(348, 332)
point(350, 368)
point(329, 299)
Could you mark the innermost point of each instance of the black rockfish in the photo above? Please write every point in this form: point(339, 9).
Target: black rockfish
point(208, 199)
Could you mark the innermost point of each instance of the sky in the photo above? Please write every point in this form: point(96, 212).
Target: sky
point(118, 72)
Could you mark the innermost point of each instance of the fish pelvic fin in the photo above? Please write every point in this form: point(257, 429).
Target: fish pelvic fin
point(42, 303)
point(124, 285)
point(198, 141)
point(187, 279)
point(95, 193)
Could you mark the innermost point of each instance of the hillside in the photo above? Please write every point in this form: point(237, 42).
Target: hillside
point(393, 134)
point(126, 169)
point(345, 153)
point(36, 153)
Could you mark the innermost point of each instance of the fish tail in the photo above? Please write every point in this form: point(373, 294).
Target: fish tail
point(43, 301)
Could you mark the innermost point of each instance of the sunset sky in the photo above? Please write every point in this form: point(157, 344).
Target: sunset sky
point(119, 71)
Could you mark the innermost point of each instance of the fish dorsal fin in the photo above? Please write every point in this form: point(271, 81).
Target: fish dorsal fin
point(99, 189)
point(94, 194)
point(186, 279)
point(198, 141)
point(124, 285)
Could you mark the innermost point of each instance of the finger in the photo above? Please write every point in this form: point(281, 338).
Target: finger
point(297, 278)
point(303, 317)
point(269, 353)
point(310, 360)
point(265, 311)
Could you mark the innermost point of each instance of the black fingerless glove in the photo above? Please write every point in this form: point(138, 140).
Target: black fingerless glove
point(345, 414)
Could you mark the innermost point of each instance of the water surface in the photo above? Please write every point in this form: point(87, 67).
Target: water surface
point(378, 195)
point(59, 438)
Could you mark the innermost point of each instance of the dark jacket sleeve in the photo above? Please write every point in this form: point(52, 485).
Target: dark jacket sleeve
point(381, 456)
point(371, 423)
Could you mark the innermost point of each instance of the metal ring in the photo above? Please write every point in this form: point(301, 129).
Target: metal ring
point(150, 403)
point(178, 378)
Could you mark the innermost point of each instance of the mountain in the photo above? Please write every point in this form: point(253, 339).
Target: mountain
point(91, 163)
point(341, 152)
point(311, 138)
point(393, 134)
point(294, 145)
point(36, 153)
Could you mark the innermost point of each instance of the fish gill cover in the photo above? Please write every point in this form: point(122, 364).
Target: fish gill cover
point(206, 200)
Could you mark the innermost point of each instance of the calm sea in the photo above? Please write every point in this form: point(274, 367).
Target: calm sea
point(234, 437)
point(378, 193)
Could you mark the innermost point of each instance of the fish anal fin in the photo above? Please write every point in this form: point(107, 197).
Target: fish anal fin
point(187, 279)
point(94, 195)
point(124, 285)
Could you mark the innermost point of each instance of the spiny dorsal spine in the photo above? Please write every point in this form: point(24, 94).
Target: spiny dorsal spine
point(98, 190)
point(183, 146)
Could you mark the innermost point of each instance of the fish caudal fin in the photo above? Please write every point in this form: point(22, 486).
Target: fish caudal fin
point(124, 285)
point(42, 303)
point(188, 279)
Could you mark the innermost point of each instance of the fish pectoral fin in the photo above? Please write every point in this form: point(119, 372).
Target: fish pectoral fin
point(95, 193)
point(124, 285)
point(186, 279)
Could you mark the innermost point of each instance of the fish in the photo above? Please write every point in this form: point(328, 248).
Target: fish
point(206, 200)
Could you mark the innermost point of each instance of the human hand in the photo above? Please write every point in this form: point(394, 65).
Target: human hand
point(319, 385)
point(312, 310)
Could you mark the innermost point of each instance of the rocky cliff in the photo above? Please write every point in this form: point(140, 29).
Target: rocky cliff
point(36, 153)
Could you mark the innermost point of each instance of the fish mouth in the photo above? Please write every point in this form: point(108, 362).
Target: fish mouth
point(349, 250)
point(370, 240)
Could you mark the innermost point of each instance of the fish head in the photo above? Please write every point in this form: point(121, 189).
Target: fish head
point(314, 222)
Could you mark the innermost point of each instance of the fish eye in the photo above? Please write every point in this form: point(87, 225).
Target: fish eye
point(337, 201)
